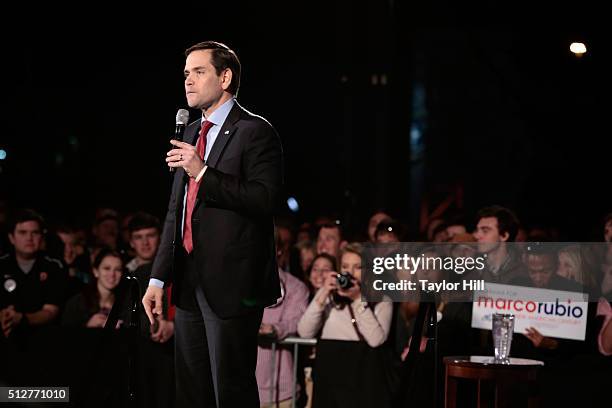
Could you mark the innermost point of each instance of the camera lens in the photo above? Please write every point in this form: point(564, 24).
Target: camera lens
point(344, 280)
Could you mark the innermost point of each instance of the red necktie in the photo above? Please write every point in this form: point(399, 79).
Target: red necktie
point(192, 190)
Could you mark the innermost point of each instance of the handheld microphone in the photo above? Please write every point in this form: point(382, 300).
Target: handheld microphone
point(182, 117)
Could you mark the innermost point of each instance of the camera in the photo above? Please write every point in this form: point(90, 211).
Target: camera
point(345, 280)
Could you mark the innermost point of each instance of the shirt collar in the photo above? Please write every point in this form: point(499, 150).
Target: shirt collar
point(220, 114)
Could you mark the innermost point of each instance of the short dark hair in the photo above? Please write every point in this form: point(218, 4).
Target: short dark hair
point(142, 220)
point(457, 219)
point(332, 225)
point(390, 227)
point(440, 228)
point(543, 249)
point(25, 215)
point(507, 221)
point(105, 214)
point(222, 57)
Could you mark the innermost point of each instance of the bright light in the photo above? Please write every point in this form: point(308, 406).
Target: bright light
point(293, 204)
point(2, 154)
point(578, 48)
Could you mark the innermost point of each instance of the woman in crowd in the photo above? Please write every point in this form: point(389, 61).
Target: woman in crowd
point(572, 266)
point(91, 307)
point(349, 368)
point(307, 252)
point(321, 266)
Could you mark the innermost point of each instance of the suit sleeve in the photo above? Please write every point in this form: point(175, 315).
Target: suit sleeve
point(162, 265)
point(259, 192)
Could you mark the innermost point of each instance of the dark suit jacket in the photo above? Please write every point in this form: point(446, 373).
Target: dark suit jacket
point(233, 231)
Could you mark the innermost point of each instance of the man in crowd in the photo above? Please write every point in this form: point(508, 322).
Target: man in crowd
point(496, 227)
point(280, 321)
point(329, 239)
point(144, 232)
point(376, 219)
point(33, 285)
point(157, 372)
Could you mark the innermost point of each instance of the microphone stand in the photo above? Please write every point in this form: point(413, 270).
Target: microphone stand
point(426, 322)
point(127, 297)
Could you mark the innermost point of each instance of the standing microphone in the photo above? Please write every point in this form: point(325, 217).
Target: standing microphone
point(182, 117)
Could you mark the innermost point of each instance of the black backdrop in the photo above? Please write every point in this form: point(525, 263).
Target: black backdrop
point(89, 101)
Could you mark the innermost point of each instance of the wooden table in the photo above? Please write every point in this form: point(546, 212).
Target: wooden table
point(484, 368)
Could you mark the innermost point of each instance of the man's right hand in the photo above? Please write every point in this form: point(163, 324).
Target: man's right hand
point(97, 321)
point(330, 284)
point(10, 318)
point(152, 302)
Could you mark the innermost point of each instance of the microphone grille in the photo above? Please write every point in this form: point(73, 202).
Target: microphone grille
point(182, 117)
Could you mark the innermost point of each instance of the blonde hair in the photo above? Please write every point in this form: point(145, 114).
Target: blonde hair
point(352, 248)
point(574, 255)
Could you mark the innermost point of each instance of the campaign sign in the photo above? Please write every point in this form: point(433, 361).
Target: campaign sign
point(562, 314)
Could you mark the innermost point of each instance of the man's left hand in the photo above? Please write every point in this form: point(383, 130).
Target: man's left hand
point(185, 155)
point(164, 332)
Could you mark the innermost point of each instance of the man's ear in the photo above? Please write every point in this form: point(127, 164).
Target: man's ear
point(11, 238)
point(226, 78)
point(504, 237)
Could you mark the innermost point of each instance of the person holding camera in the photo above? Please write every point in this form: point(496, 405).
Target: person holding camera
point(349, 368)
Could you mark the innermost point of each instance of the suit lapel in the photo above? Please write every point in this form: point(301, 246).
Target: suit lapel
point(224, 135)
point(192, 131)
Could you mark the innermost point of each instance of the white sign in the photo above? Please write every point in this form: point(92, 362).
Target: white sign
point(554, 313)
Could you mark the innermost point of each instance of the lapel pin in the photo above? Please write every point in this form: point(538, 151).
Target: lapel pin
point(227, 132)
point(10, 285)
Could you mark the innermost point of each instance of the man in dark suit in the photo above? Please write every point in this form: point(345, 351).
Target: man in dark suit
point(217, 246)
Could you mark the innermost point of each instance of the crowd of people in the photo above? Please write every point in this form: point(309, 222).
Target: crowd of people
point(66, 278)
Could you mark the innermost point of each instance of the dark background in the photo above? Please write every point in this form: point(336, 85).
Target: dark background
point(507, 114)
